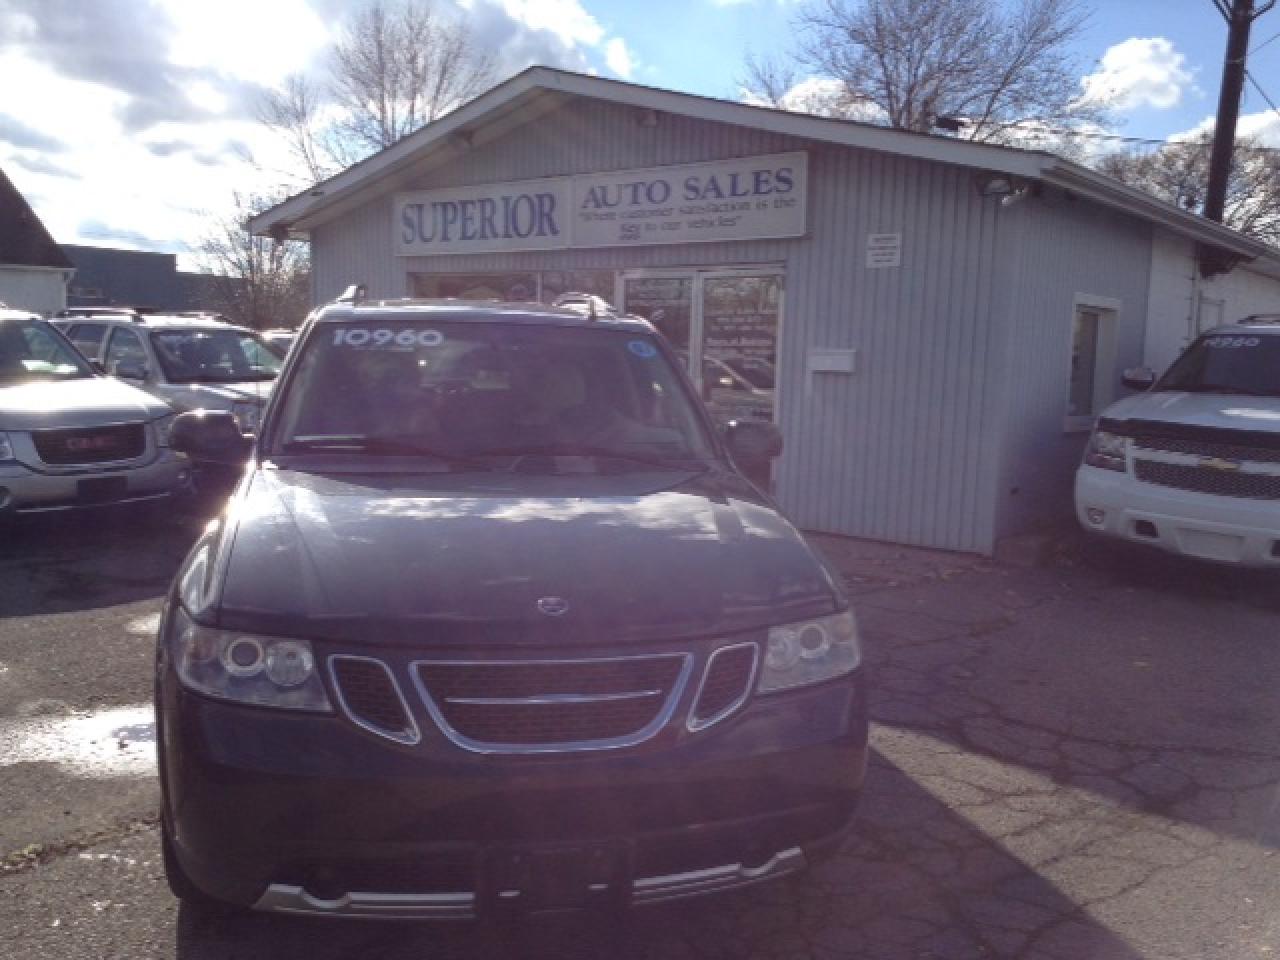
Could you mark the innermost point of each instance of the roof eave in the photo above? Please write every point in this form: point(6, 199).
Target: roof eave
point(1110, 192)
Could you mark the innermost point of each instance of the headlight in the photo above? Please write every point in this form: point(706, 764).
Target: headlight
point(6, 448)
point(247, 413)
point(1107, 450)
point(810, 652)
point(266, 671)
point(162, 426)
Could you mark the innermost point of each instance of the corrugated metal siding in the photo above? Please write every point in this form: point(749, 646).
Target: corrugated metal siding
point(1064, 247)
point(892, 452)
point(902, 450)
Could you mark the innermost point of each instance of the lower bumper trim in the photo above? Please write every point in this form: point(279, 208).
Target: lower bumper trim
point(284, 898)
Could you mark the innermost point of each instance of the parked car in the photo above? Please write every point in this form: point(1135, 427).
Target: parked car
point(281, 338)
point(1192, 465)
point(191, 364)
point(70, 437)
point(494, 622)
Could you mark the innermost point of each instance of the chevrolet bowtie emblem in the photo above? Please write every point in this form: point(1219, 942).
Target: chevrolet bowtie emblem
point(1216, 463)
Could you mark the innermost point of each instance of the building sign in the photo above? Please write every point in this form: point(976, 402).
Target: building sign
point(884, 250)
point(748, 199)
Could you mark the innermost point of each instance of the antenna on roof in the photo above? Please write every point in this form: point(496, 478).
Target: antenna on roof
point(353, 294)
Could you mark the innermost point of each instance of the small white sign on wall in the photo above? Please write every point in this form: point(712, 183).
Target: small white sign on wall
point(884, 250)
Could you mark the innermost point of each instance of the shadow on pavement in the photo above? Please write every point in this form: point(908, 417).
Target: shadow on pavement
point(915, 880)
point(86, 559)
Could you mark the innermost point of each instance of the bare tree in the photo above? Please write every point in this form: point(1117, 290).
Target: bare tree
point(995, 66)
point(258, 282)
point(395, 67)
point(1178, 172)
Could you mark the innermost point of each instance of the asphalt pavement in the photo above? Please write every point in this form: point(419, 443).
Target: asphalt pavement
point(1072, 761)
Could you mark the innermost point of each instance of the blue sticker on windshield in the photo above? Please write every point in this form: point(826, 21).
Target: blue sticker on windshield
point(643, 349)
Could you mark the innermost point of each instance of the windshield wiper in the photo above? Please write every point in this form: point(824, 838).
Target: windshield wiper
point(587, 450)
point(388, 446)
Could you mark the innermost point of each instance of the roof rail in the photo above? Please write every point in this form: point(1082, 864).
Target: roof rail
point(353, 294)
point(590, 304)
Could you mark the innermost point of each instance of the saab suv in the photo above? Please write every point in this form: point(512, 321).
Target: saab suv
point(1192, 465)
point(493, 622)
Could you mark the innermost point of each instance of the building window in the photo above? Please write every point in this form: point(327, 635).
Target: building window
point(476, 286)
point(1090, 386)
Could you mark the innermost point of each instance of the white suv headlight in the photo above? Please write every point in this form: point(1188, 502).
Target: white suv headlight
point(809, 652)
point(265, 671)
point(248, 414)
point(1107, 450)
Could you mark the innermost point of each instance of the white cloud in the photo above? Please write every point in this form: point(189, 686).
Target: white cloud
point(823, 97)
point(1263, 126)
point(1140, 72)
point(618, 57)
point(567, 19)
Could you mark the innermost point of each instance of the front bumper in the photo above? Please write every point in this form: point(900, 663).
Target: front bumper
point(24, 490)
point(310, 814)
point(1210, 527)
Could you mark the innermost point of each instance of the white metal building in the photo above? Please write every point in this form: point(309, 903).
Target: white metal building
point(944, 318)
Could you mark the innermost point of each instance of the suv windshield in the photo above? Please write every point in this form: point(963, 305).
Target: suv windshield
point(465, 391)
point(214, 356)
point(1228, 363)
point(33, 350)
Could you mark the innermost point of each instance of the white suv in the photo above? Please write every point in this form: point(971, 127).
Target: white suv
point(191, 364)
point(1193, 465)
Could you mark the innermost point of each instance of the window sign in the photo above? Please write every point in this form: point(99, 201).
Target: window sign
point(744, 199)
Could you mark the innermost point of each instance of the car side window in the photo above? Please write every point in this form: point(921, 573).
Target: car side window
point(88, 338)
point(125, 349)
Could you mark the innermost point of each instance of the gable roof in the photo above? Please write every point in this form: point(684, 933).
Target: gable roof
point(539, 90)
point(24, 241)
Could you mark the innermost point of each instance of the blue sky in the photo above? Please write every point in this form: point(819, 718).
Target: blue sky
point(128, 122)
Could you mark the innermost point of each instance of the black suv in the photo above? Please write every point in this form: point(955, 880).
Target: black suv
point(494, 623)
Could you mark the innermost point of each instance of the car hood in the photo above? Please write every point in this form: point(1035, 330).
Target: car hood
point(228, 393)
point(1215, 410)
point(86, 402)
point(444, 561)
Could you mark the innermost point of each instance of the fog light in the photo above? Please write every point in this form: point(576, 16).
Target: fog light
point(1096, 516)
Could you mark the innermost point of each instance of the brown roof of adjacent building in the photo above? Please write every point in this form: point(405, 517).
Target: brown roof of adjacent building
point(23, 239)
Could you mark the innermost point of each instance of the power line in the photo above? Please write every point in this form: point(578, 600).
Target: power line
point(1257, 86)
point(1271, 39)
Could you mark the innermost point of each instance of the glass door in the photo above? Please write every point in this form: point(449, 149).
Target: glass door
point(665, 300)
point(738, 334)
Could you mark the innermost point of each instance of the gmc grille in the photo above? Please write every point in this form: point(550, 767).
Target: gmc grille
point(123, 441)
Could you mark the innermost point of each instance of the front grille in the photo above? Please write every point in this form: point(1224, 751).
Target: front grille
point(1226, 483)
point(123, 441)
point(516, 706)
point(1206, 448)
point(725, 686)
point(369, 695)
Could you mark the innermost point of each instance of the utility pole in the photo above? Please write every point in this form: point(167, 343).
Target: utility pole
point(1239, 15)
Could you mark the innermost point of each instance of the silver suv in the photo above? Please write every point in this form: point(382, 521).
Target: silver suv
point(191, 364)
point(69, 437)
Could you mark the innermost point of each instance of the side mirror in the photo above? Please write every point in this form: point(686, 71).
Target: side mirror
point(212, 436)
point(131, 370)
point(752, 441)
point(1139, 378)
